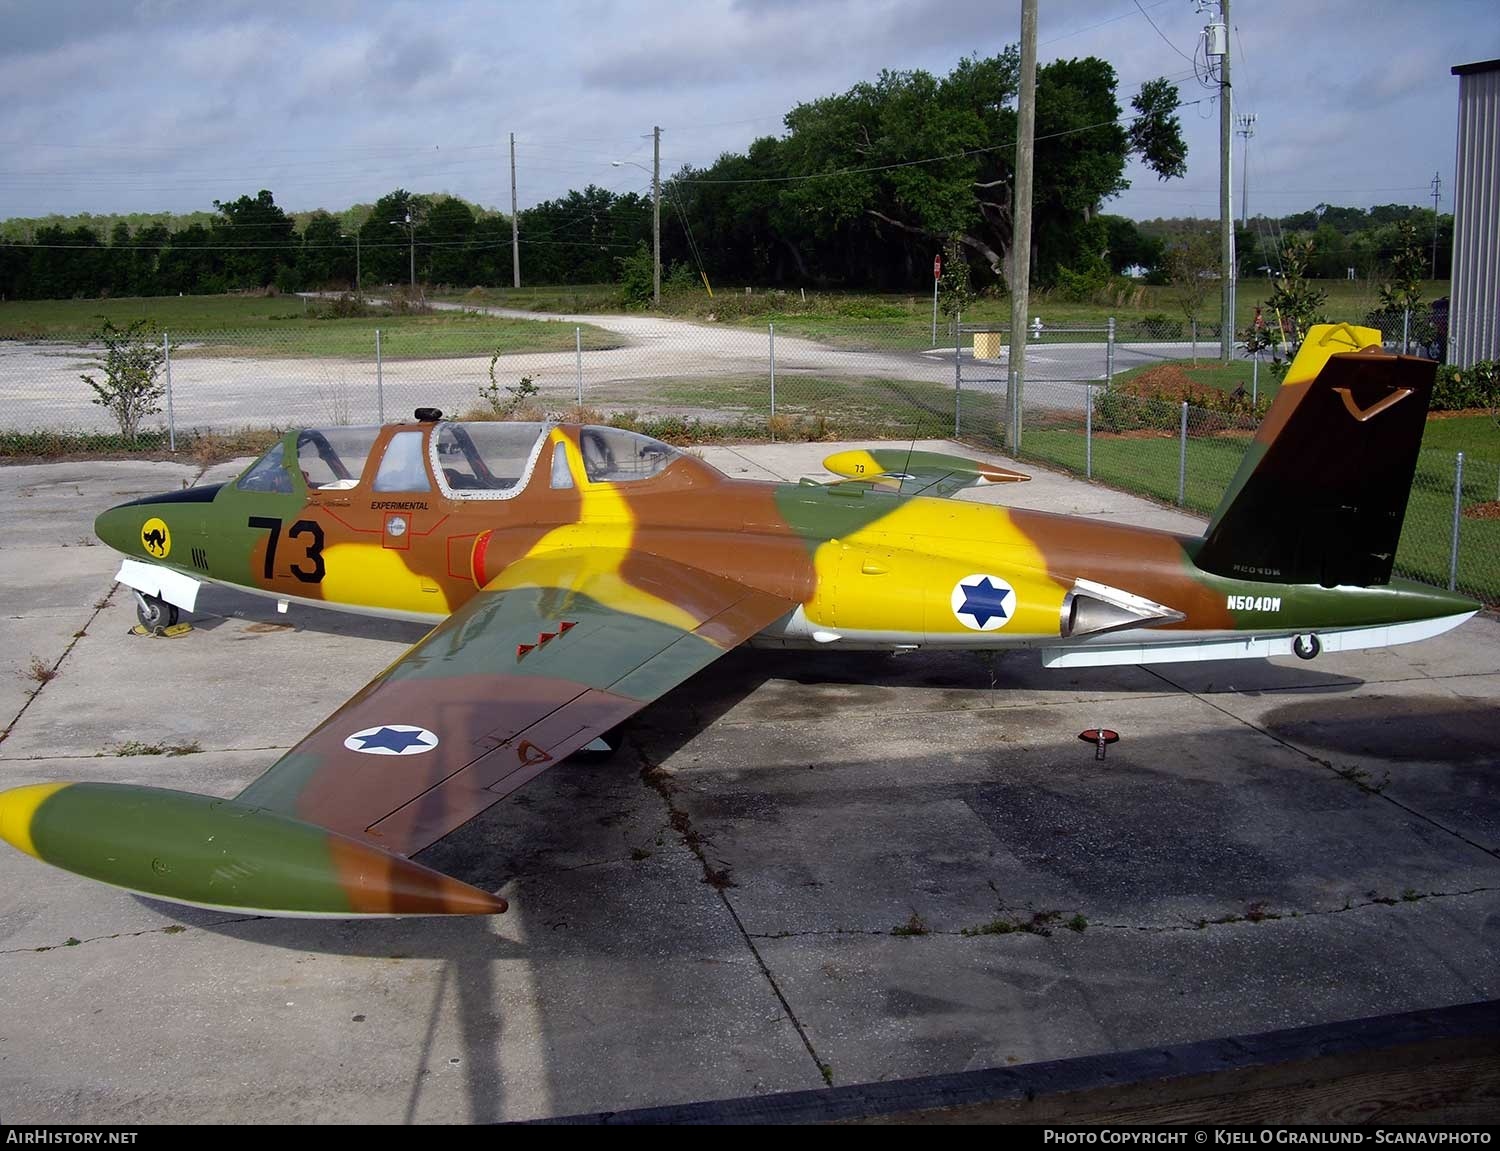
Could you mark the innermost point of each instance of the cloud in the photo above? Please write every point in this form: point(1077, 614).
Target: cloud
point(171, 103)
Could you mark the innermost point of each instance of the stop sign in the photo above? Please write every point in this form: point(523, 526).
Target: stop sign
point(937, 267)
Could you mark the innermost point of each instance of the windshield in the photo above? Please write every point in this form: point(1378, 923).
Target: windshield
point(267, 474)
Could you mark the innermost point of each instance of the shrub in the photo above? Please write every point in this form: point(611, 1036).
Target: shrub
point(1477, 386)
point(1158, 326)
point(130, 390)
point(637, 276)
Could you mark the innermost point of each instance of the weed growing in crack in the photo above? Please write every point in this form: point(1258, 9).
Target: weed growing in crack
point(1078, 923)
point(913, 926)
point(40, 670)
point(1040, 923)
point(135, 747)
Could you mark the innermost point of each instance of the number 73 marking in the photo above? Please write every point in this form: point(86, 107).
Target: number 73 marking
point(300, 528)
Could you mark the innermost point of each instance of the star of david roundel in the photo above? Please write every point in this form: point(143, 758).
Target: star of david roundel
point(392, 739)
point(983, 602)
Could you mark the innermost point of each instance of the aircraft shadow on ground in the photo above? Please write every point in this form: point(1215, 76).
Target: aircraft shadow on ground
point(1118, 848)
point(485, 852)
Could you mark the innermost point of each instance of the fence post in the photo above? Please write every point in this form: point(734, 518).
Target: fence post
point(1255, 382)
point(1109, 356)
point(578, 359)
point(166, 349)
point(772, 329)
point(1182, 460)
point(1088, 437)
point(958, 368)
point(1458, 511)
point(958, 392)
point(1405, 331)
point(1195, 341)
point(379, 383)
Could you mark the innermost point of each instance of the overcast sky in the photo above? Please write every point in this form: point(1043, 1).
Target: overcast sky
point(171, 104)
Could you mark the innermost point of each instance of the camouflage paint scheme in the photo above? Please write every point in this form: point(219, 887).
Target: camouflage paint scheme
point(569, 600)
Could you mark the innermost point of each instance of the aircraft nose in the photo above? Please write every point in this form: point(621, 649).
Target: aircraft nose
point(117, 527)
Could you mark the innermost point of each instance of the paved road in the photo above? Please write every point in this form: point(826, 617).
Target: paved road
point(663, 365)
point(1270, 844)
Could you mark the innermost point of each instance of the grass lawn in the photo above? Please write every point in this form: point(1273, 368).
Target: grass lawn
point(1478, 436)
point(292, 326)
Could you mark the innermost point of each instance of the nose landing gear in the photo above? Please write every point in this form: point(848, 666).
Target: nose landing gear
point(154, 612)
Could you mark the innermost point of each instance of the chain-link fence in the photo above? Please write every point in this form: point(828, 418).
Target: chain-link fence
point(798, 378)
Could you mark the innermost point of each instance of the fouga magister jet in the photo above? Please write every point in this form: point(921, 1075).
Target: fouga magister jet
point(576, 573)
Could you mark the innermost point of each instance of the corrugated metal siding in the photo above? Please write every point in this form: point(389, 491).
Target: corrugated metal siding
point(1474, 324)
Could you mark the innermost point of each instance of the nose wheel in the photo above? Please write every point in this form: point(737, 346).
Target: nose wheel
point(154, 612)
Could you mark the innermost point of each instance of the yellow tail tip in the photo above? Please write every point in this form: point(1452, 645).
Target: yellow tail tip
point(18, 807)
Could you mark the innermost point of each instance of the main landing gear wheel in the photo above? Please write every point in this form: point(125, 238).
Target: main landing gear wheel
point(1306, 646)
point(154, 612)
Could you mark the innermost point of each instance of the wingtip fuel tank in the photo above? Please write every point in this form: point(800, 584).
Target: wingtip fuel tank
point(216, 853)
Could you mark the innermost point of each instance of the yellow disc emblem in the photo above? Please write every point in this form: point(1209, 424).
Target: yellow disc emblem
point(156, 538)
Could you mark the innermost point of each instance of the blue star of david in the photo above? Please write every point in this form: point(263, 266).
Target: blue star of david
point(392, 740)
point(984, 601)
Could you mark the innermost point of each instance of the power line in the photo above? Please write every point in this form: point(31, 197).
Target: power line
point(1163, 35)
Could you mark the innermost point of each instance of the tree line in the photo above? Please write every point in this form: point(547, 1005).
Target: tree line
point(860, 190)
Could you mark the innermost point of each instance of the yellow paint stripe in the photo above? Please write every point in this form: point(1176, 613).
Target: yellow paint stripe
point(370, 575)
point(18, 807)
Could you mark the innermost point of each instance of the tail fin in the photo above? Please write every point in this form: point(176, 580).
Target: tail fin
point(1321, 493)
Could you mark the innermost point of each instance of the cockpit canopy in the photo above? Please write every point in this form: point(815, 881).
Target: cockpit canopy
point(479, 460)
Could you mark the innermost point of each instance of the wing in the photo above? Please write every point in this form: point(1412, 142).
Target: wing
point(914, 473)
point(556, 650)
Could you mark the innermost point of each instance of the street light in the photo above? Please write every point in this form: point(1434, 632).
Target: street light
point(357, 277)
point(412, 231)
point(655, 174)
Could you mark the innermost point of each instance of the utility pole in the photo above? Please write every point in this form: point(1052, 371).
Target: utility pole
point(1217, 34)
point(1247, 130)
point(515, 243)
point(412, 230)
point(656, 214)
point(1020, 248)
point(1437, 188)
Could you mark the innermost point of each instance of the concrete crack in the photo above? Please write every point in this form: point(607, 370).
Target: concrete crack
point(1052, 923)
point(99, 606)
point(166, 929)
point(659, 780)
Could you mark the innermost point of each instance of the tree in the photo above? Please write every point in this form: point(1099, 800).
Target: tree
point(1401, 290)
point(1128, 246)
point(1192, 264)
point(955, 293)
point(447, 231)
point(1295, 302)
point(866, 184)
point(385, 238)
point(256, 239)
point(326, 256)
point(132, 359)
